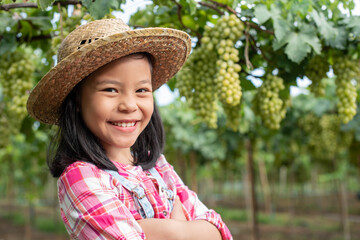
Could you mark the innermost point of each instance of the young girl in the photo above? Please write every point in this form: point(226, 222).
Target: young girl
point(114, 183)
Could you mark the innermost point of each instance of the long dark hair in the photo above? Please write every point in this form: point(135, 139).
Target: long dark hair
point(75, 142)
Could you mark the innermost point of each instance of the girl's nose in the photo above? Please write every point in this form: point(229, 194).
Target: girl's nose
point(127, 104)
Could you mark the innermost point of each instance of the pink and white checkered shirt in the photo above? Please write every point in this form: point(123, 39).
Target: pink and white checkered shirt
point(94, 205)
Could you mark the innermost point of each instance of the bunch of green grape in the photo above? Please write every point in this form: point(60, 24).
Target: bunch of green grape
point(267, 102)
point(211, 73)
point(316, 70)
point(16, 79)
point(196, 82)
point(347, 74)
point(325, 137)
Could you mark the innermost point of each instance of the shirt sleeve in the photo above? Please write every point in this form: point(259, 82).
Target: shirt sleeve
point(193, 207)
point(92, 208)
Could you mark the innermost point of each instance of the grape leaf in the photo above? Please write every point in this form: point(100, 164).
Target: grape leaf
point(340, 38)
point(7, 43)
point(45, 3)
point(192, 5)
point(6, 21)
point(44, 23)
point(262, 14)
point(326, 29)
point(354, 23)
point(299, 43)
point(281, 28)
point(98, 9)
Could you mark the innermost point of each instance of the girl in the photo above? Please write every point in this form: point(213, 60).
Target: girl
point(113, 181)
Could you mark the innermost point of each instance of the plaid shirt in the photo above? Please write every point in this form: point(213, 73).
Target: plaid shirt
point(94, 205)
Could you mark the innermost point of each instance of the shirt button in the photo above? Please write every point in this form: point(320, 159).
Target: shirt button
point(165, 213)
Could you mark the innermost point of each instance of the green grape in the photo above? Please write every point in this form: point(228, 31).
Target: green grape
point(267, 102)
point(16, 79)
point(316, 70)
point(325, 137)
point(233, 115)
point(198, 88)
point(346, 71)
point(211, 73)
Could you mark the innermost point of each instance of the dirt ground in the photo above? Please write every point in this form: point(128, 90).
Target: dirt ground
point(10, 231)
point(309, 223)
point(239, 230)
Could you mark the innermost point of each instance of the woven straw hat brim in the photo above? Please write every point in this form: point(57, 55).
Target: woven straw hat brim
point(169, 48)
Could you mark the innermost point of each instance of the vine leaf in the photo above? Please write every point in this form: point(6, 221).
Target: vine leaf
point(299, 43)
point(192, 6)
point(8, 43)
point(326, 29)
point(98, 9)
point(282, 27)
point(261, 13)
point(45, 3)
point(354, 24)
point(6, 21)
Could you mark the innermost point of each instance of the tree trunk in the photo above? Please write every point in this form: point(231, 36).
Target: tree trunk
point(250, 169)
point(265, 185)
point(10, 189)
point(29, 221)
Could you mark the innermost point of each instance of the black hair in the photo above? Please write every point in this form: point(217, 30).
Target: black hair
point(74, 141)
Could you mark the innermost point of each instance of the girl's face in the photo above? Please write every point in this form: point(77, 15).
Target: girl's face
point(117, 102)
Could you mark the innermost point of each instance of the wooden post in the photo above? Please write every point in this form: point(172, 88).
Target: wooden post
point(250, 169)
point(344, 209)
point(265, 185)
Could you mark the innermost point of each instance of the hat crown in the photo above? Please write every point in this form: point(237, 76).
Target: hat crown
point(88, 33)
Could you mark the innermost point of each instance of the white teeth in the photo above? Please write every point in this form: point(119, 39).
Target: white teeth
point(130, 124)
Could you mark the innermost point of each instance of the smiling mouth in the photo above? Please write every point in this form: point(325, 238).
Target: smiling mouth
point(123, 124)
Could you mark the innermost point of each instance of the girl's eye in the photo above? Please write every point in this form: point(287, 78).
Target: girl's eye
point(113, 90)
point(142, 90)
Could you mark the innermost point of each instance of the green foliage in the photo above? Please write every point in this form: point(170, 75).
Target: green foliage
point(45, 3)
point(280, 37)
point(98, 9)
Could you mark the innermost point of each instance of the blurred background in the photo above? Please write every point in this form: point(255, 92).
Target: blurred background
point(262, 122)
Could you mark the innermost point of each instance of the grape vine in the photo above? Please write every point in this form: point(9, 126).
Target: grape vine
point(325, 137)
point(211, 74)
point(316, 70)
point(267, 102)
point(347, 74)
point(16, 80)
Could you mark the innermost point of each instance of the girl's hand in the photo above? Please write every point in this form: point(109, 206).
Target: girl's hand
point(178, 212)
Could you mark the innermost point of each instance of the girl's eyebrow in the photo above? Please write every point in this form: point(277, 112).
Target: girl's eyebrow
point(145, 81)
point(108, 81)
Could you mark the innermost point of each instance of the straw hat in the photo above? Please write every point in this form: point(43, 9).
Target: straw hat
point(97, 43)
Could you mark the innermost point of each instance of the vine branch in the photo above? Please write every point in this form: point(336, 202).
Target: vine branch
point(246, 53)
point(222, 5)
point(213, 7)
point(259, 49)
point(7, 7)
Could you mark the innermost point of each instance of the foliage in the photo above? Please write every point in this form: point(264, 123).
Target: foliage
point(277, 37)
